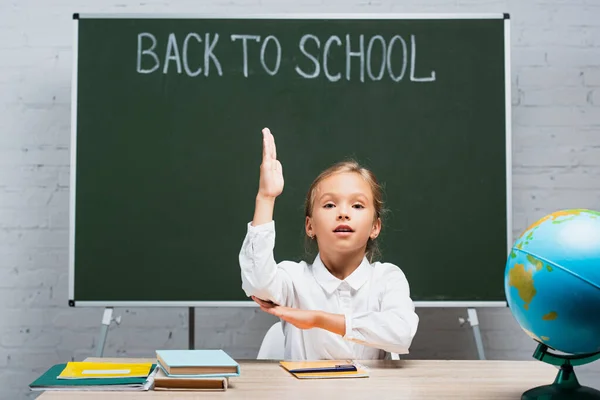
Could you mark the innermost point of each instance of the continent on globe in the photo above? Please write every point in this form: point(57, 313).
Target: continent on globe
point(522, 280)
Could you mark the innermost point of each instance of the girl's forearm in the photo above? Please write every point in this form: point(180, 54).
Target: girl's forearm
point(335, 323)
point(263, 210)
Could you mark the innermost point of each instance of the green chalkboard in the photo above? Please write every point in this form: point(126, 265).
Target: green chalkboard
point(168, 113)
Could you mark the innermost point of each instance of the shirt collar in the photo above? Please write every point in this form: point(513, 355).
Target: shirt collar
point(330, 283)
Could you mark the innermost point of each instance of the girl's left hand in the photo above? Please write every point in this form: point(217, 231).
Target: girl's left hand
point(301, 319)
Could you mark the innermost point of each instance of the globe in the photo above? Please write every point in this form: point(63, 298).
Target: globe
point(552, 287)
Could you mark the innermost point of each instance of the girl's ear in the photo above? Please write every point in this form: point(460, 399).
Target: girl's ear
point(376, 229)
point(309, 228)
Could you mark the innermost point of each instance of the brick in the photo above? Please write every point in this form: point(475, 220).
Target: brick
point(577, 96)
point(246, 339)
point(33, 258)
point(404, 7)
point(550, 77)
point(560, 2)
point(593, 35)
point(36, 155)
point(523, 354)
point(529, 56)
point(37, 238)
point(541, 201)
point(64, 178)
point(594, 97)
point(556, 116)
point(30, 297)
point(546, 36)
point(29, 57)
point(496, 319)
point(454, 341)
point(527, 14)
point(83, 317)
point(9, 75)
point(82, 354)
point(20, 176)
point(24, 197)
point(29, 337)
point(579, 179)
point(18, 317)
point(31, 359)
point(80, 338)
point(534, 138)
point(15, 278)
point(49, 126)
point(572, 57)
point(168, 318)
point(513, 340)
point(15, 381)
point(36, 92)
point(223, 318)
point(292, 3)
point(160, 338)
point(516, 95)
point(35, 218)
point(59, 219)
point(4, 359)
point(59, 197)
point(565, 156)
point(591, 76)
point(577, 16)
point(140, 352)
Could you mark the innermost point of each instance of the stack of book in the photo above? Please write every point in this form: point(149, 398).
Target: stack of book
point(194, 370)
point(96, 376)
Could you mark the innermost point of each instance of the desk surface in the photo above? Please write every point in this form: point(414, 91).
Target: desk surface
point(406, 379)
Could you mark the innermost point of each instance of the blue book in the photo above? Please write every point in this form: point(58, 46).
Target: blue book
point(198, 363)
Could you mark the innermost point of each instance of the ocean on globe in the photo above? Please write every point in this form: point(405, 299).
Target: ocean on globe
point(552, 281)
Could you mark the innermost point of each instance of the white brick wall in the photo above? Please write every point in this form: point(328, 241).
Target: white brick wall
point(556, 143)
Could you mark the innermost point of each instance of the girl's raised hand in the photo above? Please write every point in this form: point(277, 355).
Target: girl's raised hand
point(271, 172)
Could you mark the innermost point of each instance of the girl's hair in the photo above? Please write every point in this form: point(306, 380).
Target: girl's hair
point(372, 251)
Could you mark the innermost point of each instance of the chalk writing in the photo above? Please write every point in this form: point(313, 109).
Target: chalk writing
point(365, 58)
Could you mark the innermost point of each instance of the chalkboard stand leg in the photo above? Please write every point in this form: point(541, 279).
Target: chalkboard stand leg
point(106, 320)
point(191, 326)
point(474, 322)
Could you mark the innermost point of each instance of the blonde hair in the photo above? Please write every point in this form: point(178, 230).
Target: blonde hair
point(372, 251)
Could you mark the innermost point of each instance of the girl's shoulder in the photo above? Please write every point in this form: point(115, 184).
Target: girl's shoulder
point(387, 270)
point(294, 268)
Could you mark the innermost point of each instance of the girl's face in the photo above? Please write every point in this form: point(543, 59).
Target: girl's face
point(343, 215)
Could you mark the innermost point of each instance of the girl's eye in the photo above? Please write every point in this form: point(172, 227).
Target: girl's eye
point(358, 206)
point(328, 205)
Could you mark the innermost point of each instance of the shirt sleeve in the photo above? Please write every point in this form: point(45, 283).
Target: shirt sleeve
point(391, 329)
point(261, 276)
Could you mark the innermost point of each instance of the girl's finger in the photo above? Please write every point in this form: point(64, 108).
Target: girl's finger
point(264, 145)
point(267, 142)
point(274, 148)
point(261, 302)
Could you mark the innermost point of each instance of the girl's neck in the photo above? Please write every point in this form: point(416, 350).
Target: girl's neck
point(342, 265)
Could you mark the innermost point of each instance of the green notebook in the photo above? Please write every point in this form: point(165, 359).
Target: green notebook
point(49, 381)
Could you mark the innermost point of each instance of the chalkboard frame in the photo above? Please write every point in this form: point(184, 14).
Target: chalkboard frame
point(73, 165)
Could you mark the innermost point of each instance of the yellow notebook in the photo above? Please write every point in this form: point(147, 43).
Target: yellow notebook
point(325, 369)
point(85, 369)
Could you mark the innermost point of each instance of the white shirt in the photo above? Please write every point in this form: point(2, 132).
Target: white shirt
point(375, 300)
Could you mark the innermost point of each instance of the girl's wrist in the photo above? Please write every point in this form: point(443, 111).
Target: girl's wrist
point(264, 199)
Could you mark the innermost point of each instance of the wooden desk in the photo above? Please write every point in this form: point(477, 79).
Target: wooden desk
point(401, 379)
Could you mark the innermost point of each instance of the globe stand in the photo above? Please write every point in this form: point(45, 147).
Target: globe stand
point(565, 385)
